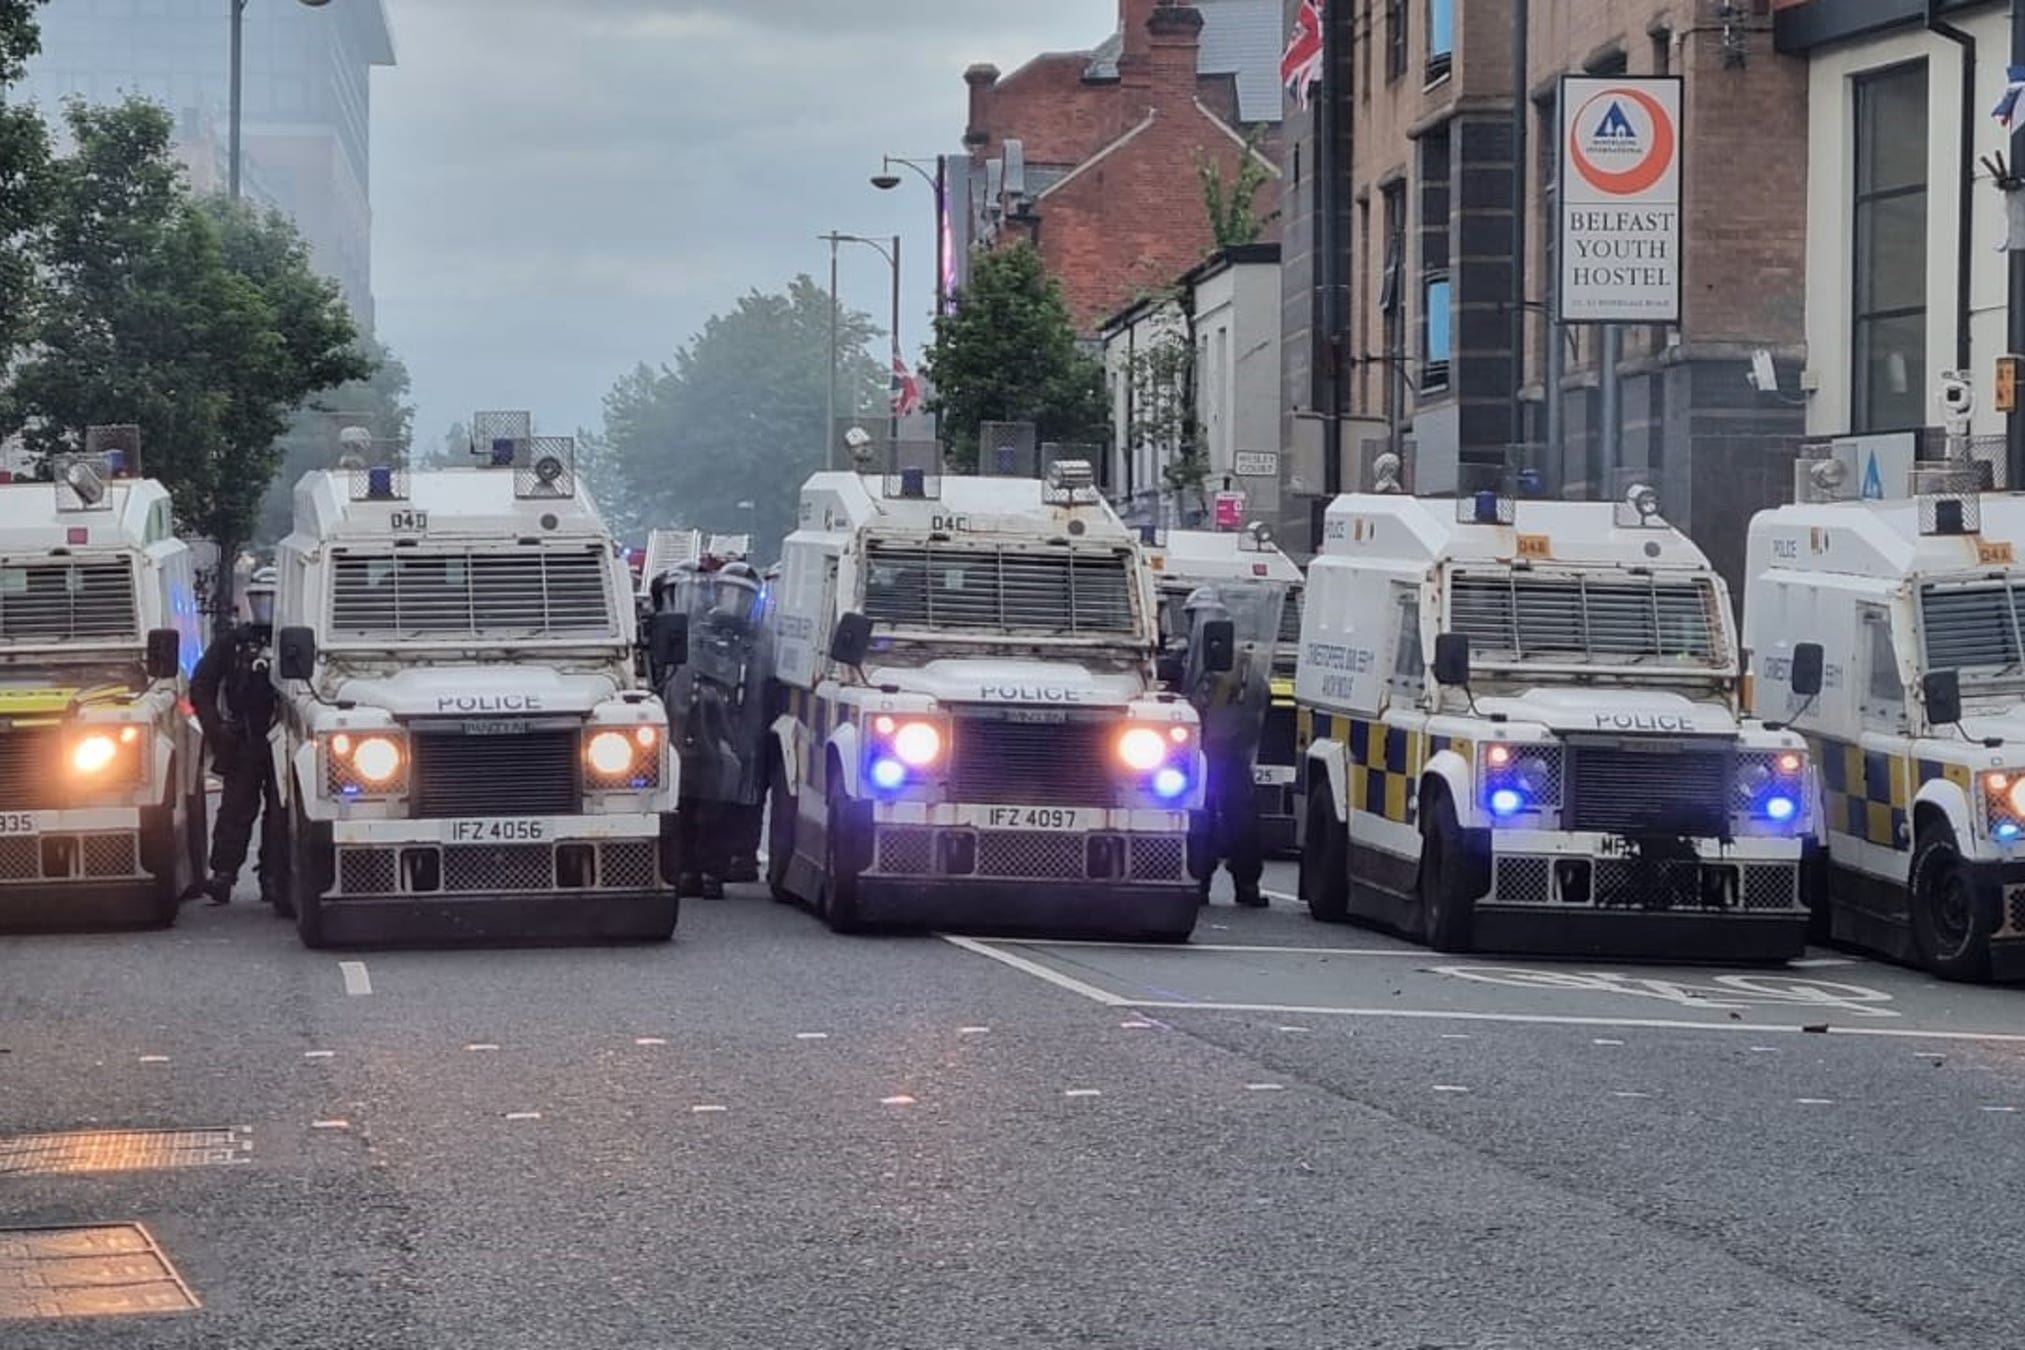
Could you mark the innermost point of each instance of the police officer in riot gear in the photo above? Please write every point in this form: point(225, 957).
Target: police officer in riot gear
point(1232, 705)
point(233, 692)
point(717, 721)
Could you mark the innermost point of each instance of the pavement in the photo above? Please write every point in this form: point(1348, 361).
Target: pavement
point(764, 1135)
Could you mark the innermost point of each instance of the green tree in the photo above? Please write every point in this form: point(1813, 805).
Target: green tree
point(1162, 380)
point(199, 320)
point(379, 403)
point(24, 180)
point(1009, 353)
point(736, 417)
point(1233, 206)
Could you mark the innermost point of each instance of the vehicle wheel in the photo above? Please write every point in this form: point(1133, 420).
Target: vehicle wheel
point(305, 886)
point(840, 886)
point(1446, 914)
point(780, 835)
point(1325, 872)
point(1814, 885)
point(1951, 922)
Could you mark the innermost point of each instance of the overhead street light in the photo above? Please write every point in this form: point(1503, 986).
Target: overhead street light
point(892, 257)
point(938, 182)
point(238, 67)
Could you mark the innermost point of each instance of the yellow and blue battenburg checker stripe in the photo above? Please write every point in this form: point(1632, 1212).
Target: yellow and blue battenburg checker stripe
point(1868, 793)
point(819, 715)
point(1385, 762)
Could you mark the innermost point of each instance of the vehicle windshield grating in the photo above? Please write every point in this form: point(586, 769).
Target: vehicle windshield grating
point(537, 593)
point(64, 602)
point(1973, 628)
point(1606, 619)
point(1061, 591)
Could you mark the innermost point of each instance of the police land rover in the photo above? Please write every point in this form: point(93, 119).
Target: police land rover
point(101, 792)
point(468, 749)
point(1521, 731)
point(1912, 606)
point(1258, 582)
point(973, 733)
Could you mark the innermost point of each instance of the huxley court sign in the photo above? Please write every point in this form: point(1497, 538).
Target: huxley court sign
point(1620, 188)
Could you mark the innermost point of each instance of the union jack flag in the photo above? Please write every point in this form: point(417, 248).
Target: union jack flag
point(1301, 63)
point(906, 389)
point(2006, 111)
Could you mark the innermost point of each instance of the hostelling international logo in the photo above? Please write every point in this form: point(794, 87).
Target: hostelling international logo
point(1622, 142)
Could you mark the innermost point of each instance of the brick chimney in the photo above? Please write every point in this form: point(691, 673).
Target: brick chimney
point(982, 79)
point(1162, 45)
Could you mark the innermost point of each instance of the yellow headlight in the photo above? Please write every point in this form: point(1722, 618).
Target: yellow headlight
point(377, 760)
point(1142, 749)
point(918, 744)
point(94, 753)
point(609, 754)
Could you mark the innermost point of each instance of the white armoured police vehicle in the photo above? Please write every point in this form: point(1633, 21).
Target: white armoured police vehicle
point(1522, 731)
point(973, 733)
point(467, 747)
point(1919, 726)
point(1240, 563)
point(101, 793)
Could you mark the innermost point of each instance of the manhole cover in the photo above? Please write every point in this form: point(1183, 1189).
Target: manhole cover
point(122, 1150)
point(104, 1270)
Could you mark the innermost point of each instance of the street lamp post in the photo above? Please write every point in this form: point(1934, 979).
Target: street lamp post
point(938, 183)
point(238, 67)
point(892, 256)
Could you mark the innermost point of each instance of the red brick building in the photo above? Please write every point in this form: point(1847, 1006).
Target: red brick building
point(1094, 155)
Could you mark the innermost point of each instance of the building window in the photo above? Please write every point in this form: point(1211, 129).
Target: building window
point(1440, 38)
point(1435, 339)
point(1888, 318)
point(1395, 39)
point(1392, 305)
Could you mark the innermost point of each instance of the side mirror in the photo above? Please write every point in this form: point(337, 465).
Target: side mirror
point(1452, 660)
point(1941, 691)
point(1807, 658)
point(852, 642)
point(667, 642)
point(165, 653)
point(1219, 646)
point(295, 653)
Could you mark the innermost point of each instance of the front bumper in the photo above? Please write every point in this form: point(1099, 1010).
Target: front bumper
point(1569, 893)
point(87, 867)
point(446, 870)
point(1119, 873)
point(499, 917)
point(2003, 885)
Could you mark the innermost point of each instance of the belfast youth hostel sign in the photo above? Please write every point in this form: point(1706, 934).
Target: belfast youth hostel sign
point(1620, 188)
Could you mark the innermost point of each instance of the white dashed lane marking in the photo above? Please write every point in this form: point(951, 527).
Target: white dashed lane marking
point(1265, 1087)
point(358, 983)
point(637, 1040)
point(901, 1100)
point(812, 1035)
point(1450, 1087)
point(330, 1124)
point(523, 1115)
point(1814, 1101)
point(1083, 1092)
point(318, 1054)
point(481, 1045)
point(708, 1109)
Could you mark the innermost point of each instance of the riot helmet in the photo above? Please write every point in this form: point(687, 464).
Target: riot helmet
point(735, 592)
point(260, 588)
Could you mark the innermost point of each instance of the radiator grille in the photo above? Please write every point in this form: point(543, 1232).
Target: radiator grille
point(906, 852)
point(1029, 853)
point(31, 769)
point(995, 762)
point(501, 867)
point(529, 773)
point(1626, 790)
point(1771, 887)
point(628, 865)
point(545, 593)
point(368, 871)
point(1617, 619)
point(20, 858)
point(65, 601)
point(1972, 627)
point(1525, 881)
point(110, 855)
point(1062, 591)
point(1158, 857)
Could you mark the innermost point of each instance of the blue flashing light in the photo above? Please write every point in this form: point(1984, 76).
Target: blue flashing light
point(380, 481)
point(888, 774)
point(1170, 782)
point(2007, 830)
point(1487, 508)
point(1781, 808)
point(502, 453)
point(1507, 801)
point(913, 483)
point(116, 463)
point(351, 789)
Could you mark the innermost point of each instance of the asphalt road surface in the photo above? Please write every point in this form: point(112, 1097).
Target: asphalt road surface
point(1286, 1135)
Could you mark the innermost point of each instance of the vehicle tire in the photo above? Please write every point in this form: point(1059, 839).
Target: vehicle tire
point(780, 834)
point(1447, 915)
point(1815, 880)
point(1951, 922)
point(1325, 871)
point(305, 884)
point(840, 885)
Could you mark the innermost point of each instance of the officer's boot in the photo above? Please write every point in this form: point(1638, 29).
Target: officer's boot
point(219, 889)
point(711, 889)
point(1249, 895)
point(689, 885)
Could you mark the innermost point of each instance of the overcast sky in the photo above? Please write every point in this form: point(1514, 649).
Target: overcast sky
point(564, 188)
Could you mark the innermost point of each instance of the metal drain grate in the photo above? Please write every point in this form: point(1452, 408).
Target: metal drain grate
point(122, 1151)
point(105, 1270)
